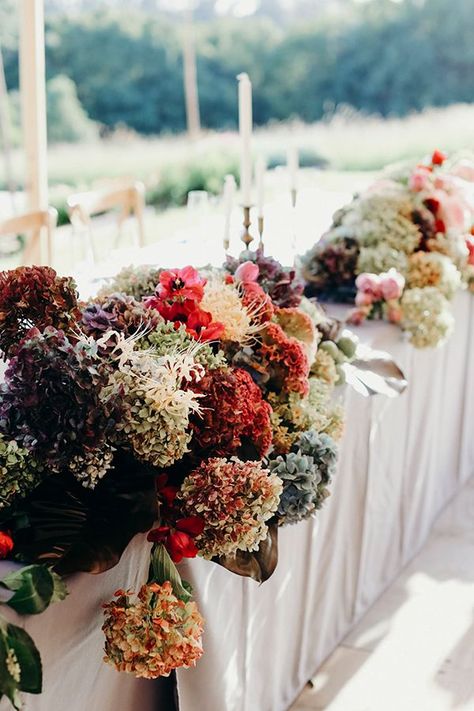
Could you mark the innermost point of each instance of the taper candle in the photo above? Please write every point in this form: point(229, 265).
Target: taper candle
point(245, 129)
point(260, 172)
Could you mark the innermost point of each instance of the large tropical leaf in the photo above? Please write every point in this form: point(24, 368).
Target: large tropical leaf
point(77, 529)
point(258, 565)
point(374, 373)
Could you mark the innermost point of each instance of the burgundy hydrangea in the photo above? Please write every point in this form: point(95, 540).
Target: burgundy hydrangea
point(280, 283)
point(119, 312)
point(34, 296)
point(329, 268)
point(51, 401)
point(233, 410)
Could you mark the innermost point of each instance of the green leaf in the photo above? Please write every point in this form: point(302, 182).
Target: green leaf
point(34, 589)
point(60, 591)
point(31, 677)
point(163, 569)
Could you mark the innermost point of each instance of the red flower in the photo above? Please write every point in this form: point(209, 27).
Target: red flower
point(440, 226)
point(438, 157)
point(432, 204)
point(286, 358)
point(181, 284)
point(199, 325)
point(6, 544)
point(178, 540)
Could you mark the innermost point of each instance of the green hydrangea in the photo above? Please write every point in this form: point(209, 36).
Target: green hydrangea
point(165, 339)
point(306, 472)
point(376, 260)
point(20, 473)
point(138, 282)
point(426, 316)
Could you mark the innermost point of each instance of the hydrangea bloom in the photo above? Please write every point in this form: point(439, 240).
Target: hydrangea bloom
point(52, 402)
point(426, 316)
point(234, 499)
point(118, 312)
point(433, 269)
point(34, 296)
point(19, 472)
point(305, 472)
point(138, 282)
point(231, 410)
point(152, 633)
point(380, 259)
point(157, 402)
point(280, 283)
point(287, 361)
point(166, 338)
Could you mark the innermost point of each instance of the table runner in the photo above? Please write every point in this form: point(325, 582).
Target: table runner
point(401, 460)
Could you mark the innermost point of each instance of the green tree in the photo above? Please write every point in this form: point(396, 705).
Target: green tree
point(67, 120)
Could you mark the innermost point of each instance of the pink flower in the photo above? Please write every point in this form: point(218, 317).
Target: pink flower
point(357, 316)
point(369, 283)
point(394, 313)
point(364, 298)
point(465, 170)
point(419, 180)
point(452, 212)
point(247, 272)
point(392, 285)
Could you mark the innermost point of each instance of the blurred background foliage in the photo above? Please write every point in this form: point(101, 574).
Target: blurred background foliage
point(121, 64)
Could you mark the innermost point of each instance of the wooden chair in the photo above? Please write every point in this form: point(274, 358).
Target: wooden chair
point(34, 224)
point(127, 199)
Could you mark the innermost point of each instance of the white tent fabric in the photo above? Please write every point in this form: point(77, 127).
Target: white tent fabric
point(401, 461)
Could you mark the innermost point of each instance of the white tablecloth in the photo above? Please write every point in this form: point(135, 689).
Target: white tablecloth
point(400, 462)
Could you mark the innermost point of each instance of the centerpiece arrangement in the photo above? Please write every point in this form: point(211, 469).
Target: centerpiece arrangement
point(194, 406)
point(402, 249)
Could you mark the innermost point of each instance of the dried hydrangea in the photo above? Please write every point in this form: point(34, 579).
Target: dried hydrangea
point(52, 402)
point(158, 402)
point(330, 265)
point(324, 367)
point(34, 296)
point(282, 284)
point(225, 304)
point(426, 316)
point(118, 312)
point(232, 412)
point(234, 499)
point(151, 633)
point(138, 282)
point(286, 360)
point(306, 472)
point(433, 269)
point(90, 467)
point(376, 260)
point(20, 473)
point(384, 218)
point(166, 338)
point(297, 324)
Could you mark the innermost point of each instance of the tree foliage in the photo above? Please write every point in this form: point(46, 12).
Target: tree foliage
point(382, 57)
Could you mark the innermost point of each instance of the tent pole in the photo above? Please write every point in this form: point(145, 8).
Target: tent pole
point(33, 104)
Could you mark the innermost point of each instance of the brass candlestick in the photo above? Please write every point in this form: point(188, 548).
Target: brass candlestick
point(260, 232)
point(247, 238)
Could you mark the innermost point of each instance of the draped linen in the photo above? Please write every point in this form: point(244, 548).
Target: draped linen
point(401, 461)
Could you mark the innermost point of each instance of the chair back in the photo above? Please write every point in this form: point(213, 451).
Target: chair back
point(128, 199)
point(33, 224)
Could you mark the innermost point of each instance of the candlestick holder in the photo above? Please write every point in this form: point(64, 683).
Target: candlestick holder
point(260, 231)
point(246, 237)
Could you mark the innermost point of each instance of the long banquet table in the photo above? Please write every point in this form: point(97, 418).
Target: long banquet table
point(401, 461)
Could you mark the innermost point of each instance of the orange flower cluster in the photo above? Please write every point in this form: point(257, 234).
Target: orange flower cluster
point(154, 633)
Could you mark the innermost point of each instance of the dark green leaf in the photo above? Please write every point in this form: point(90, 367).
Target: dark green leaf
point(77, 529)
point(31, 677)
point(34, 588)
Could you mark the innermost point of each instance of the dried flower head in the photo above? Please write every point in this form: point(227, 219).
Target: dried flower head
point(20, 473)
point(34, 296)
point(152, 633)
point(234, 499)
point(426, 316)
point(138, 282)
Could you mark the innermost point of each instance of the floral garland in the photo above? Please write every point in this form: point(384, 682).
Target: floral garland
point(402, 249)
point(195, 406)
